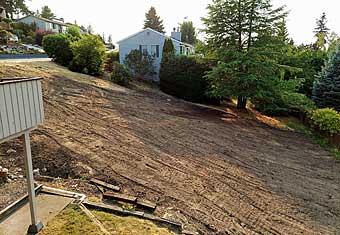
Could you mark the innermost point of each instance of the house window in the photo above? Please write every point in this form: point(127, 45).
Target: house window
point(143, 49)
point(181, 50)
point(155, 50)
point(54, 26)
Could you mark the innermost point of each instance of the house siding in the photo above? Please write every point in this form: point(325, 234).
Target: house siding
point(146, 38)
point(43, 25)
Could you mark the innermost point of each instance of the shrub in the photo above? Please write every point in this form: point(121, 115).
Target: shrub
point(74, 31)
point(110, 59)
point(184, 77)
point(326, 120)
point(57, 47)
point(88, 55)
point(120, 74)
point(168, 48)
point(139, 64)
point(40, 34)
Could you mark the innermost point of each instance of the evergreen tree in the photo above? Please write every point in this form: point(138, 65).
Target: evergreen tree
point(110, 39)
point(321, 32)
point(47, 13)
point(326, 90)
point(168, 49)
point(89, 29)
point(282, 32)
point(241, 33)
point(153, 21)
point(188, 32)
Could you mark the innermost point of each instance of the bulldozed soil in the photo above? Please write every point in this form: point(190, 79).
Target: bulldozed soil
point(217, 173)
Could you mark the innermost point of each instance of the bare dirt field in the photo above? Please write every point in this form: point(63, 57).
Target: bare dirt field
point(214, 172)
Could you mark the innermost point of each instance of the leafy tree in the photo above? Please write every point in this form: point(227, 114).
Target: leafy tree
point(74, 31)
point(326, 90)
point(334, 41)
point(88, 55)
point(241, 34)
point(14, 7)
point(168, 48)
point(153, 21)
point(321, 32)
point(140, 64)
point(47, 13)
point(188, 32)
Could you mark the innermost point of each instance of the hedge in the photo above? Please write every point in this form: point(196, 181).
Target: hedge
point(184, 77)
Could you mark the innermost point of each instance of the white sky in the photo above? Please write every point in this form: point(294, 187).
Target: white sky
point(122, 18)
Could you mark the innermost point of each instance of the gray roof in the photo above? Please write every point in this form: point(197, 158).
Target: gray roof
point(44, 19)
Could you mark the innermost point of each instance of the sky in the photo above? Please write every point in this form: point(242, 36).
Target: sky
point(121, 18)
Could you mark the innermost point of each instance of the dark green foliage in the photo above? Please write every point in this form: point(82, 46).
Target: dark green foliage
point(183, 77)
point(282, 98)
point(58, 47)
point(141, 65)
point(168, 48)
point(242, 35)
point(14, 7)
point(326, 90)
point(88, 55)
point(120, 74)
point(308, 60)
point(110, 59)
point(153, 21)
point(188, 32)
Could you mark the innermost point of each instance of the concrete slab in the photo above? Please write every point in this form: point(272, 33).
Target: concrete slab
point(48, 207)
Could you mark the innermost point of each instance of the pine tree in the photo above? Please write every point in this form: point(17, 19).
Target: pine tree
point(326, 90)
point(47, 13)
point(241, 33)
point(321, 32)
point(188, 32)
point(168, 48)
point(282, 32)
point(153, 21)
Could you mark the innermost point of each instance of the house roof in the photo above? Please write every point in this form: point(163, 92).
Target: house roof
point(44, 19)
point(154, 31)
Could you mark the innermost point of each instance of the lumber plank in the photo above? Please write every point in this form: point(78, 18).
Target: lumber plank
point(105, 185)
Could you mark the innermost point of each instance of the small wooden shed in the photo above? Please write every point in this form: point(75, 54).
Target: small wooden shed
point(21, 110)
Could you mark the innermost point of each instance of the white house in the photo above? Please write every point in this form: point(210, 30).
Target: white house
point(152, 42)
point(56, 26)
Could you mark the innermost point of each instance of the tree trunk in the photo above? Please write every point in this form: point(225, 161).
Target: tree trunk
point(241, 102)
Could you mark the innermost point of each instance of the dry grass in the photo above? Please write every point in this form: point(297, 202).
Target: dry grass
point(72, 221)
point(130, 225)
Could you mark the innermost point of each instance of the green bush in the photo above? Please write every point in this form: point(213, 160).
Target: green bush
point(141, 65)
point(88, 55)
point(281, 97)
point(40, 34)
point(58, 47)
point(326, 120)
point(120, 74)
point(74, 31)
point(110, 59)
point(184, 77)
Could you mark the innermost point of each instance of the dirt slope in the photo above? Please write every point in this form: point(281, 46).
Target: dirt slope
point(217, 173)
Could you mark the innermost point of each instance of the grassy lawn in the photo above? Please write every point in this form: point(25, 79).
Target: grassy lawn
point(72, 221)
point(130, 225)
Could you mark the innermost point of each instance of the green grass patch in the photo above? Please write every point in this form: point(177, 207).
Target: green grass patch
point(295, 124)
point(130, 225)
point(72, 221)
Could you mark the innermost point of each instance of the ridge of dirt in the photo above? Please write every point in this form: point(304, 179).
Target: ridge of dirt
point(216, 173)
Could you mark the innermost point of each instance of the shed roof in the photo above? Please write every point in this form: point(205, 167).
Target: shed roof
point(16, 80)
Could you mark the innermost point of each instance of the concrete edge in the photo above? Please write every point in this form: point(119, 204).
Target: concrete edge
point(9, 210)
point(79, 198)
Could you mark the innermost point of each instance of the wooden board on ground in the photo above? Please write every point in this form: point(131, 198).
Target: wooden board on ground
point(106, 185)
point(145, 204)
point(120, 197)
